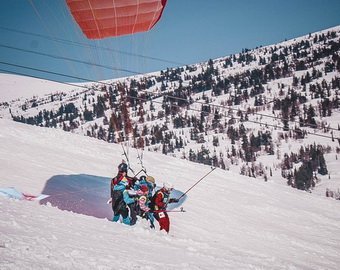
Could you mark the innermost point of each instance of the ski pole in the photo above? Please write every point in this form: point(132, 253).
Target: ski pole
point(204, 176)
point(166, 211)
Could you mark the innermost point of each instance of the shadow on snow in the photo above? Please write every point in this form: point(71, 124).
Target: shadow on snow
point(85, 194)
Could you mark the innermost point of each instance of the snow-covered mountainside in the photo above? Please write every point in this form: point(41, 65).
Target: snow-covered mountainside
point(268, 113)
point(231, 221)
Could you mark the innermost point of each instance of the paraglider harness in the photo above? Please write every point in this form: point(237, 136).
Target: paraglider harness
point(166, 200)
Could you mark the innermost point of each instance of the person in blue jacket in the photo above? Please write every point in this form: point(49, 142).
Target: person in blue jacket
point(149, 182)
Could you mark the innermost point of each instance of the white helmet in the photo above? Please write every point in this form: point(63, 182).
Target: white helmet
point(168, 186)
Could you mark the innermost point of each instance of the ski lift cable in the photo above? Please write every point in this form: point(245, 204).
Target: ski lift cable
point(23, 32)
point(192, 109)
point(149, 92)
point(53, 73)
point(80, 44)
point(233, 109)
point(48, 30)
point(145, 99)
point(251, 121)
point(39, 77)
point(96, 47)
point(70, 59)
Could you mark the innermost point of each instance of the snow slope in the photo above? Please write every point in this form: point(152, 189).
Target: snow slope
point(15, 86)
point(232, 222)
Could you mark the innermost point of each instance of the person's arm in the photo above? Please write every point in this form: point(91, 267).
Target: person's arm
point(111, 186)
point(127, 198)
point(173, 200)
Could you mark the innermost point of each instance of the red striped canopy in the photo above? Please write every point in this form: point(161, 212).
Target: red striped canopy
point(110, 18)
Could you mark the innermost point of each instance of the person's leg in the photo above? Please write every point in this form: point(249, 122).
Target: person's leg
point(125, 214)
point(115, 210)
point(164, 221)
point(133, 214)
point(116, 218)
point(151, 218)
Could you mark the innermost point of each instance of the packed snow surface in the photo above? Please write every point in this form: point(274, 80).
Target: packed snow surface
point(231, 222)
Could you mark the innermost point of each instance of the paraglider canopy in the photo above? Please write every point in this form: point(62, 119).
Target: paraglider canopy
point(110, 18)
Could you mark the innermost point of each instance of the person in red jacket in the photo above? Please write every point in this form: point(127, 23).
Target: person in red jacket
point(158, 205)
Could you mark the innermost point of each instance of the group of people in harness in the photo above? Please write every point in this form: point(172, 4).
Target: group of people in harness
point(133, 197)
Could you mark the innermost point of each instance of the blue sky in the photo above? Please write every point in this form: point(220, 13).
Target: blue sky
point(190, 31)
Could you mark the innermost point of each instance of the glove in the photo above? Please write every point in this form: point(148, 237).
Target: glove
point(109, 201)
point(135, 180)
point(173, 200)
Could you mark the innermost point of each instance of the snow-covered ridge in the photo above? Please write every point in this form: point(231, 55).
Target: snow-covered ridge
point(14, 87)
point(238, 92)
